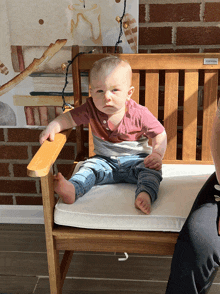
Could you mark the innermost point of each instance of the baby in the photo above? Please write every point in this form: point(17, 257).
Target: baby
point(120, 129)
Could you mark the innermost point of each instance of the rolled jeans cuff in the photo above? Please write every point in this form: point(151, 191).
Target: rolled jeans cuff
point(148, 190)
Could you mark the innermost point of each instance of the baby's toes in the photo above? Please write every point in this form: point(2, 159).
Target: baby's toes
point(146, 209)
point(143, 205)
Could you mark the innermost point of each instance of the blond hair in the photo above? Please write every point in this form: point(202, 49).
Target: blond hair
point(106, 65)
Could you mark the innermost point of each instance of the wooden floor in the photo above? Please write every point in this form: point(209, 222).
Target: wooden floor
point(23, 266)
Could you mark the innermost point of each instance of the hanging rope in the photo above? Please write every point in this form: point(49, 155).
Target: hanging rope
point(121, 30)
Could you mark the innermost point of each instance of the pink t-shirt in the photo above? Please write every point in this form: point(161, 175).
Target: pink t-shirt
point(131, 135)
point(138, 121)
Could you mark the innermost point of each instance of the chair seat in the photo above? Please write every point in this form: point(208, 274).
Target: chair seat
point(112, 206)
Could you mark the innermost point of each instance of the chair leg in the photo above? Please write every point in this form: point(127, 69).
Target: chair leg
point(67, 257)
point(52, 253)
point(54, 270)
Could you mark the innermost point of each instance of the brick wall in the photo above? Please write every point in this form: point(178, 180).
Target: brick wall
point(17, 147)
point(186, 26)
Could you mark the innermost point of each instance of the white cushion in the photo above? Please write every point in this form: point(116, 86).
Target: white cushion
point(112, 206)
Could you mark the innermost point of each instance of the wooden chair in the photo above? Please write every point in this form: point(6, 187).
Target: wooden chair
point(151, 66)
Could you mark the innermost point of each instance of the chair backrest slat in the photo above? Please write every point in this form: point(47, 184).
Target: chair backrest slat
point(152, 91)
point(91, 145)
point(170, 112)
point(181, 61)
point(90, 138)
point(136, 84)
point(76, 78)
point(209, 109)
point(78, 101)
point(190, 110)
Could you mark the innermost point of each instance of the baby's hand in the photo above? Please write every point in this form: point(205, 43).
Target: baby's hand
point(153, 161)
point(48, 133)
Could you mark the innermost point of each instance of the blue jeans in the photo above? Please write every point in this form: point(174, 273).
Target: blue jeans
point(101, 170)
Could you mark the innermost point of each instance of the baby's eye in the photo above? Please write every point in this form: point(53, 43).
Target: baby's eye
point(99, 91)
point(115, 90)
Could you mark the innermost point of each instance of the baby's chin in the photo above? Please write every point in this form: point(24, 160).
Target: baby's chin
point(107, 109)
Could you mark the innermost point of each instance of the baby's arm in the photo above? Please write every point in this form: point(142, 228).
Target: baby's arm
point(60, 123)
point(159, 144)
point(215, 145)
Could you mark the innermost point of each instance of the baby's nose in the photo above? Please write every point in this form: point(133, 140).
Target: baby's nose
point(108, 95)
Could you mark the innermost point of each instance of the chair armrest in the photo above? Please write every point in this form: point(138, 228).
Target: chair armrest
point(46, 155)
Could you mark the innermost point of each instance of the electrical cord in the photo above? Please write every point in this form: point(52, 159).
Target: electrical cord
point(65, 104)
point(121, 30)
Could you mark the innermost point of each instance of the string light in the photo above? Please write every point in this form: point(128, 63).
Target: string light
point(121, 29)
point(65, 104)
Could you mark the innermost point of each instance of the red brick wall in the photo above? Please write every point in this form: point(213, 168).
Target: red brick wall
point(17, 147)
point(186, 26)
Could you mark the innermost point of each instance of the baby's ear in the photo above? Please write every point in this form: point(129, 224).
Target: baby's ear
point(130, 92)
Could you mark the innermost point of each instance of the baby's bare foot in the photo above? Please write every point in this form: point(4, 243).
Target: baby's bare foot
point(143, 202)
point(64, 189)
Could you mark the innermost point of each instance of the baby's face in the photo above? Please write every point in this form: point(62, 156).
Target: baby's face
point(110, 92)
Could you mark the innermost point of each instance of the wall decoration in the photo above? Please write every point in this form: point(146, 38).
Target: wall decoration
point(85, 23)
point(3, 69)
point(25, 36)
point(130, 31)
point(7, 115)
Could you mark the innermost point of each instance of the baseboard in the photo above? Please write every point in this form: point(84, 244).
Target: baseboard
point(21, 214)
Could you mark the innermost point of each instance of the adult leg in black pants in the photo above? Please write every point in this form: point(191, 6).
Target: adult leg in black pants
point(197, 253)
